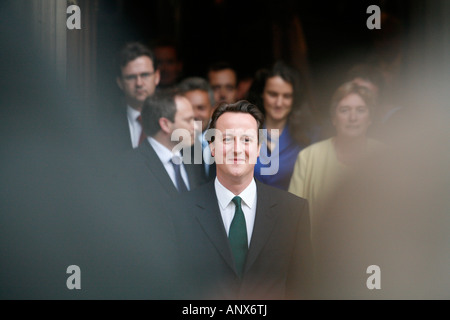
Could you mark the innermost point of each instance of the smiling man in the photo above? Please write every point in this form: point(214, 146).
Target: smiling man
point(240, 238)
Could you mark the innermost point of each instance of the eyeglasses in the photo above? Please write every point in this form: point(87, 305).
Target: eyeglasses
point(134, 77)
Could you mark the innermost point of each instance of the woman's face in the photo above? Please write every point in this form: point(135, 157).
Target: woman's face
point(351, 118)
point(278, 96)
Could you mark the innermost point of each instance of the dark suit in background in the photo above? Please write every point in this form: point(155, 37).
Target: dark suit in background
point(145, 168)
point(146, 264)
point(142, 262)
point(211, 175)
point(115, 128)
point(279, 260)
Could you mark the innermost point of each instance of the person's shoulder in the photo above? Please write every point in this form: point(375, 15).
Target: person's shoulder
point(130, 156)
point(186, 204)
point(202, 191)
point(326, 143)
point(278, 195)
point(289, 205)
point(317, 147)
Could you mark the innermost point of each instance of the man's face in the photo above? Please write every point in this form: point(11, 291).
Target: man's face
point(236, 146)
point(169, 66)
point(138, 81)
point(184, 120)
point(202, 106)
point(224, 83)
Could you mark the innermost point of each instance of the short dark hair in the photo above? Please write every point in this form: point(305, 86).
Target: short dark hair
point(242, 106)
point(222, 65)
point(132, 51)
point(197, 83)
point(166, 41)
point(159, 105)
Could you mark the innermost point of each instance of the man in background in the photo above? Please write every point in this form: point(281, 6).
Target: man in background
point(223, 79)
point(137, 78)
point(198, 91)
point(169, 63)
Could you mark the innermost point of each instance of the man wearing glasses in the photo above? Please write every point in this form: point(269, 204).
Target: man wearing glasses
point(137, 78)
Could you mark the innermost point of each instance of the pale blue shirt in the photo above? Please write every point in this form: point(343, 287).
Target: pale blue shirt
point(206, 152)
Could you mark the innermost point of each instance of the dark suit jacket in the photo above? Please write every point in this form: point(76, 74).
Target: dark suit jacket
point(147, 169)
point(137, 255)
point(115, 131)
point(279, 260)
point(212, 167)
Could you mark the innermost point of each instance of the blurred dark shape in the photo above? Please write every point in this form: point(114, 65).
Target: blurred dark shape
point(60, 204)
point(169, 61)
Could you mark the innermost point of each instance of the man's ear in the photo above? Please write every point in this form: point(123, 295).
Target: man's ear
point(157, 77)
point(213, 149)
point(119, 83)
point(165, 125)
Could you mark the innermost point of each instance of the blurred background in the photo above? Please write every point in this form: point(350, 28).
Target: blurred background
point(323, 39)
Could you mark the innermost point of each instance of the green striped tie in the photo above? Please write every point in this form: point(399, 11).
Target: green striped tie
point(238, 237)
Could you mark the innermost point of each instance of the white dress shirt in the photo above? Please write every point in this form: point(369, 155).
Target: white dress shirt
point(134, 125)
point(165, 155)
point(227, 207)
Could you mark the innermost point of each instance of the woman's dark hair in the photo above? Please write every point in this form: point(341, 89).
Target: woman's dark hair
point(299, 120)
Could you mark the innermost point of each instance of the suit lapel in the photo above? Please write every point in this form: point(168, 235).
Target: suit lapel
point(209, 217)
point(154, 164)
point(195, 174)
point(265, 219)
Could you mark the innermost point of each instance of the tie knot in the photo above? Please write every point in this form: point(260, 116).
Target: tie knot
point(139, 119)
point(237, 201)
point(176, 160)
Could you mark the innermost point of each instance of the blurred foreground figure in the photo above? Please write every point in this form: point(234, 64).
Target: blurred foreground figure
point(59, 208)
point(392, 213)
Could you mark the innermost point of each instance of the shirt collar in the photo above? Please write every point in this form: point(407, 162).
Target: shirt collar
point(225, 196)
point(164, 154)
point(132, 114)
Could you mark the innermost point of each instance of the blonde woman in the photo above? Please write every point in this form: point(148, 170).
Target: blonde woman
point(321, 165)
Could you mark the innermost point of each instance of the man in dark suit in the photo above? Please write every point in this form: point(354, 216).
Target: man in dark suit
point(161, 159)
point(137, 77)
point(238, 238)
point(146, 264)
point(198, 91)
